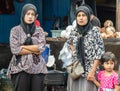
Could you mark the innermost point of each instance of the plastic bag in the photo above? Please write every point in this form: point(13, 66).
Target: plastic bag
point(65, 55)
point(45, 53)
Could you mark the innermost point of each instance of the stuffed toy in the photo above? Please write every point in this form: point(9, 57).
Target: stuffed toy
point(117, 35)
point(108, 31)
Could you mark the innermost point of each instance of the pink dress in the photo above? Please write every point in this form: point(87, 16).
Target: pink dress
point(107, 82)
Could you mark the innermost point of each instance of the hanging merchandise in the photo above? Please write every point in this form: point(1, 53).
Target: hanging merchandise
point(19, 1)
point(6, 7)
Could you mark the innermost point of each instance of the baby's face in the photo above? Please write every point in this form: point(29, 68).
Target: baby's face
point(109, 65)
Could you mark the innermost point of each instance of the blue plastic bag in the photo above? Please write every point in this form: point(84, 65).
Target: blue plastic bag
point(45, 53)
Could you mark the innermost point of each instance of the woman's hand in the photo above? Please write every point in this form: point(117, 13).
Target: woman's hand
point(72, 47)
point(92, 78)
point(91, 75)
point(9, 76)
point(33, 48)
point(37, 53)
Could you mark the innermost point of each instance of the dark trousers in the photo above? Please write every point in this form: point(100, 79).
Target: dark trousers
point(28, 82)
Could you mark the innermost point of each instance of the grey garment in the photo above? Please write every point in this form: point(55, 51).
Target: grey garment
point(17, 38)
point(96, 22)
point(27, 7)
point(80, 84)
point(72, 11)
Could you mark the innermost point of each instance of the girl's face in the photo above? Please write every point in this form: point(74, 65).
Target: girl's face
point(109, 65)
point(82, 19)
point(30, 16)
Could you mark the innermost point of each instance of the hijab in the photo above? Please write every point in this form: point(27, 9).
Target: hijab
point(82, 30)
point(29, 29)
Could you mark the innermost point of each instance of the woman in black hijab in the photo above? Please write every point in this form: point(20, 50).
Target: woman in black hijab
point(27, 67)
point(87, 45)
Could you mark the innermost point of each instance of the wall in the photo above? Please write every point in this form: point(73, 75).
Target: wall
point(7, 21)
point(53, 9)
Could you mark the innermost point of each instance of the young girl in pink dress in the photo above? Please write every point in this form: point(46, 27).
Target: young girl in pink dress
point(107, 79)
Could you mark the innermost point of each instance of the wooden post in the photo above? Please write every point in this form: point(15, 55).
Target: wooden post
point(118, 15)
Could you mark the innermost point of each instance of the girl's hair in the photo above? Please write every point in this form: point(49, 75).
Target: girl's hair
point(107, 56)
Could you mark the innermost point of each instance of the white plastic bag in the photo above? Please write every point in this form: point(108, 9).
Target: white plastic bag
point(65, 55)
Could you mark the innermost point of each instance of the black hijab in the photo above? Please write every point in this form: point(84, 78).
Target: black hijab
point(82, 30)
point(29, 29)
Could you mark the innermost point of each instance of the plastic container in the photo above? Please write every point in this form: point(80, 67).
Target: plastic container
point(56, 33)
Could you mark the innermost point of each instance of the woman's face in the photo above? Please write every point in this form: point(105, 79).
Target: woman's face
point(30, 16)
point(82, 19)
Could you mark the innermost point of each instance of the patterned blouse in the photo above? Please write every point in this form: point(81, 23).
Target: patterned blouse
point(27, 64)
point(108, 82)
point(93, 45)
